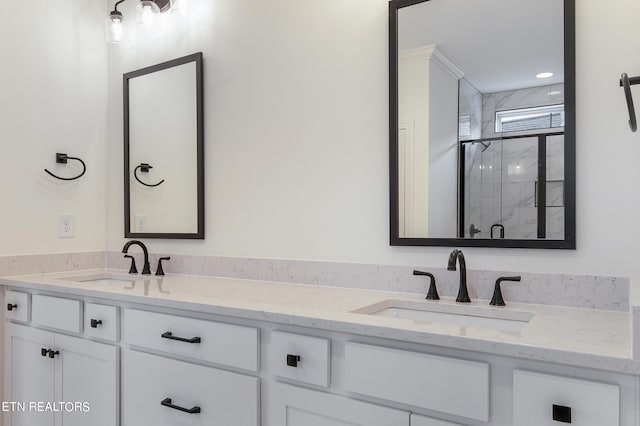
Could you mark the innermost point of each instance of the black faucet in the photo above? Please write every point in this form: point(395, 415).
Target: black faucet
point(497, 299)
point(456, 255)
point(146, 270)
point(432, 294)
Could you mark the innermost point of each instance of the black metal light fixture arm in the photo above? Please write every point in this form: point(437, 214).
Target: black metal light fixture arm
point(626, 82)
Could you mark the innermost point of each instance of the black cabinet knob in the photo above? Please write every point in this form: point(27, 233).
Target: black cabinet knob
point(293, 360)
point(95, 323)
point(561, 413)
point(48, 352)
point(11, 307)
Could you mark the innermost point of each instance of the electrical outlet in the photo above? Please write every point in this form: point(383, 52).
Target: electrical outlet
point(66, 225)
point(141, 222)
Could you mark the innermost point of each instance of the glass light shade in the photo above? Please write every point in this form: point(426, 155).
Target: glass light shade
point(114, 29)
point(147, 14)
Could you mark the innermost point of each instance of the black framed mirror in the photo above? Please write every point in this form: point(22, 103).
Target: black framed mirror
point(164, 150)
point(482, 123)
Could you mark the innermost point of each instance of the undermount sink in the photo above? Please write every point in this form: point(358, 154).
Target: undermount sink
point(103, 279)
point(442, 313)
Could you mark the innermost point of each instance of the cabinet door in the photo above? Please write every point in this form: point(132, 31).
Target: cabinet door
point(160, 391)
point(86, 372)
point(29, 375)
point(293, 406)
point(548, 400)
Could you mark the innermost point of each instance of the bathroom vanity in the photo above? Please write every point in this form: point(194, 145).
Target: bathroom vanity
point(204, 350)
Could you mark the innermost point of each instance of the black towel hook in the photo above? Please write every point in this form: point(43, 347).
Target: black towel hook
point(62, 159)
point(144, 168)
point(626, 82)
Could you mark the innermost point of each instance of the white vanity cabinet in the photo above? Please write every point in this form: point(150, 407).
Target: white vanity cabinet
point(543, 399)
point(445, 384)
point(294, 406)
point(417, 420)
point(42, 366)
point(149, 365)
point(18, 306)
point(162, 391)
point(165, 392)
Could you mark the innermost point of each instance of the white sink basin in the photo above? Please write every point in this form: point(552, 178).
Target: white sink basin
point(443, 313)
point(104, 279)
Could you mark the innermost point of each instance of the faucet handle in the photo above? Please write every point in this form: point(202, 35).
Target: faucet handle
point(159, 270)
point(432, 294)
point(497, 299)
point(132, 269)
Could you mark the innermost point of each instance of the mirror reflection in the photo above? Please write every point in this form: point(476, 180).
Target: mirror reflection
point(163, 146)
point(481, 119)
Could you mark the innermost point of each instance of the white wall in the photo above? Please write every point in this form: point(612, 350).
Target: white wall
point(443, 151)
point(53, 99)
point(413, 158)
point(297, 137)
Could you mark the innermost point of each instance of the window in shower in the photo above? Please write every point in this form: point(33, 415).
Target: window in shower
point(518, 120)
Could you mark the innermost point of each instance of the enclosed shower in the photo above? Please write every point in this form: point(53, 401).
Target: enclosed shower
point(513, 187)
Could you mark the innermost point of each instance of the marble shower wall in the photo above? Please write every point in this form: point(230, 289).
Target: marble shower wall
point(500, 187)
point(555, 187)
point(469, 111)
point(500, 176)
point(514, 99)
point(519, 176)
point(483, 187)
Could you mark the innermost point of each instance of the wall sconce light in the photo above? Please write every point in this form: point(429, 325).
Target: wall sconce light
point(147, 14)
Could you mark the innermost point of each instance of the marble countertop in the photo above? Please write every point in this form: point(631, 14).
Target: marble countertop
point(579, 337)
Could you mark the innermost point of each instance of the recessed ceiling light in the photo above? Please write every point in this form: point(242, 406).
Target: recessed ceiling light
point(544, 75)
point(554, 92)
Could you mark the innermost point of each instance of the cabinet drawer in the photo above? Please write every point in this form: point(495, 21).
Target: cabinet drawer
point(449, 385)
point(417, 420)
point(17, 306)
point(577, 402)
point(294, 406)
point(101, 322)
point(301, 358)
point(226, 344)
point(58, 313)
point(223, 398)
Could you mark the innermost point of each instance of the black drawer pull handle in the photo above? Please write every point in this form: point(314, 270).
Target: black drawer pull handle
point(11, 307)
point(293, 360)
point(170, 336)
point(44, 351)
point(167, 403)
point(561, 413)
point(95, 323)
